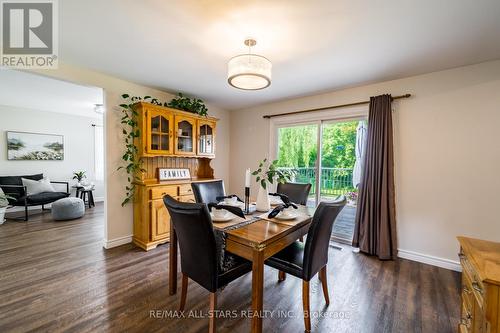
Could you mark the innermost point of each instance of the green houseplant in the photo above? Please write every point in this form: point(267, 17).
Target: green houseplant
point(194, 105)
point(132, 163)
point(266, 174)
point(79, 176)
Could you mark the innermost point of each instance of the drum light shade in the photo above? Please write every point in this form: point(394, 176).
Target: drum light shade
point(249, 71)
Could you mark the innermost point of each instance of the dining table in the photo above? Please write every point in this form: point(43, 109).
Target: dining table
point(255, 238)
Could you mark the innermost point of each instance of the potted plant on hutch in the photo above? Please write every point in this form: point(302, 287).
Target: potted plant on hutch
point(266, 173)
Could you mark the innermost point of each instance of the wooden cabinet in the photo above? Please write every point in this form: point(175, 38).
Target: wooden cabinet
point(168, 138)
point(480, 294)
point(169, 132)
point(151, 217)
point(206, 138)
point(185, 131)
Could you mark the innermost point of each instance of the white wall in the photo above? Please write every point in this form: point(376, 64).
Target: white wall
point(78, 144)
point(447, 154)
point(119, 227)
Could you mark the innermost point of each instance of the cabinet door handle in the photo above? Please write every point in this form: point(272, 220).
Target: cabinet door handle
point(466, 290)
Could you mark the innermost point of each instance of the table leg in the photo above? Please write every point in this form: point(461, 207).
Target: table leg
point(257, 290)
point(172, 262)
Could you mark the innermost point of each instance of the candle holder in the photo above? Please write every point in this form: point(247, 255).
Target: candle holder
point(247, 200)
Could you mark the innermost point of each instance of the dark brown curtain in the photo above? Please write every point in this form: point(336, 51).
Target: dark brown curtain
point(375, 230)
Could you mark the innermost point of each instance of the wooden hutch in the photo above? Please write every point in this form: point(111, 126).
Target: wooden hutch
point(169, 138)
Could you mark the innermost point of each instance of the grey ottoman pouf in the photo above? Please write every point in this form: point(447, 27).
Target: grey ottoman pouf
point(68, 209)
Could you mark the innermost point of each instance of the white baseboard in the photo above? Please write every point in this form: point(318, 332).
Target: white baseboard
point(430, 260)
point(98, 199)
point(108, 244)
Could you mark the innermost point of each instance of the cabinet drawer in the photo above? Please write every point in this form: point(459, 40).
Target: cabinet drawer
point(185, 189)
point(160, 191)
point(186, 198)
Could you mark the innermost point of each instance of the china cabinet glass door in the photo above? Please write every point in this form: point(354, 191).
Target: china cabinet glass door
point(206, 138)
point(185, 134)
point(160, 133)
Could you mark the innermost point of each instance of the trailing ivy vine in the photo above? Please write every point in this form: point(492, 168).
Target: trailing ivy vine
point(132, 161)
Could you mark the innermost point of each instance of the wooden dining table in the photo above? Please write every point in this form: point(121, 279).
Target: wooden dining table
point(255, 241)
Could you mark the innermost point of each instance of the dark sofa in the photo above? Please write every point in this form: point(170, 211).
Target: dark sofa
point(13, 186)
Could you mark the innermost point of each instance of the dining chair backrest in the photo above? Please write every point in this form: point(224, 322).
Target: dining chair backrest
point(193, 226)
point(207, 192)
point(318, 237)
point(296, 192)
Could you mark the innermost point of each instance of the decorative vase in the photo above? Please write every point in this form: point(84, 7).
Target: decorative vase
point(263, 204)
point(2, 214)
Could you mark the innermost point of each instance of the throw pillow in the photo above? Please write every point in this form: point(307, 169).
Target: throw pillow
point(3, 201)
point(37, 186)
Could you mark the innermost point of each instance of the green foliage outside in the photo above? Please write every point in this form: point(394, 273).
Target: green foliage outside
point(297, 148)
point(298, 145)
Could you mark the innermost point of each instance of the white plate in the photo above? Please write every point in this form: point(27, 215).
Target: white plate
point(236, 204)
point(275, 202)
point(286, 217)
point(226, 218)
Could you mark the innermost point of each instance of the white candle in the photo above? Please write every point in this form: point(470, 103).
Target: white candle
point(247, 178)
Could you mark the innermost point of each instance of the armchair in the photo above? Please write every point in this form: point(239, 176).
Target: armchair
point(13, 186)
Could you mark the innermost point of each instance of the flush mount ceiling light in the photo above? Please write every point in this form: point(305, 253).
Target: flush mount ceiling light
point(249, 71)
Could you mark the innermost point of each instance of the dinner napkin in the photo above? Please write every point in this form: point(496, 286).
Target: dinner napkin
point(279, 208)
point(235, 210)
point(285, 199)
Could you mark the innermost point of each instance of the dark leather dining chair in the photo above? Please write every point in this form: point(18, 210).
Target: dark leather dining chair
point(208, 192)
point(202, 259)
point(296, 192)
point(305, 260)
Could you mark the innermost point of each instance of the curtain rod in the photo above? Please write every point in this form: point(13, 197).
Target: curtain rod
point(329, 107)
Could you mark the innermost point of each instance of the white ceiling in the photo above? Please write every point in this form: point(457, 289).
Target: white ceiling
point(315, 46)
point(32, 91)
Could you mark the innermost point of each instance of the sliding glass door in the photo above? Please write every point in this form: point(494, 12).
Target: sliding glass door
point(298, 150)
point(338, 176)
point(328, 155)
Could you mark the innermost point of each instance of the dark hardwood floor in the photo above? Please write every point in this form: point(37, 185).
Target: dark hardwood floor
point(55, 276)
